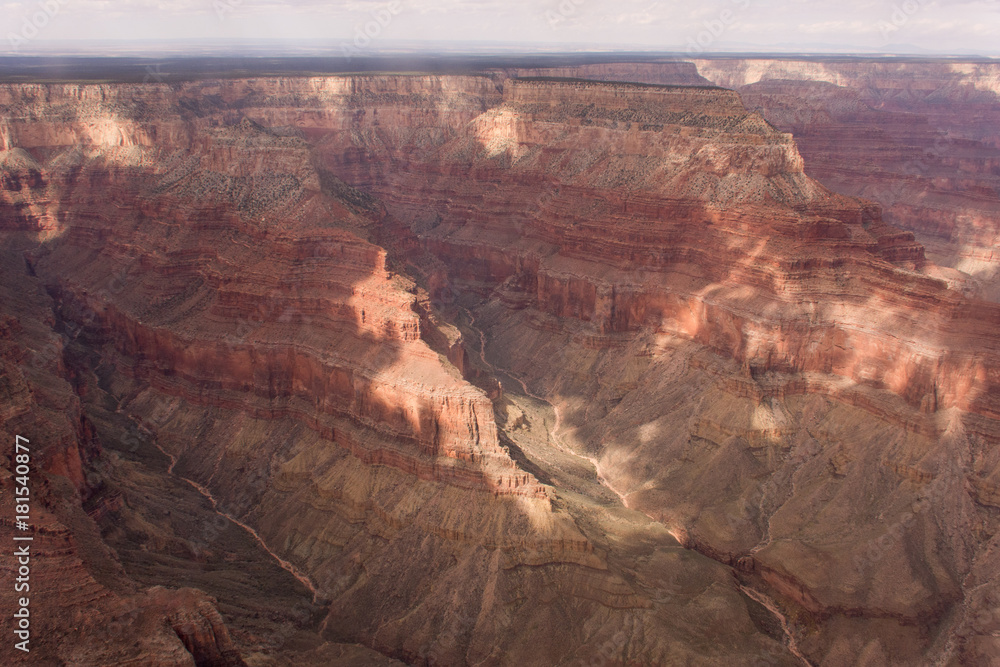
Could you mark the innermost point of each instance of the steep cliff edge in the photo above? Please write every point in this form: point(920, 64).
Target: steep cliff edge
point(203, 302)
point(675, 73)
point(591, 203)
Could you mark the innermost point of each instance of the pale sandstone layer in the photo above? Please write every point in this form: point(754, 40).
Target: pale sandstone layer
point(233, 299)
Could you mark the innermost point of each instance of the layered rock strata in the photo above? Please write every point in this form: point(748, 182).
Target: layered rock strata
point(758, 364)
point(82, 607)
point(624, 223)
point(233, 298)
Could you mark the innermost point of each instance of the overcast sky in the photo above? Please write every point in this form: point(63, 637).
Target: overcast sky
point(938, 26)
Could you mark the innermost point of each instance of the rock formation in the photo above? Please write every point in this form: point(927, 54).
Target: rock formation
point(231, 304)
point(504, 369)
point(629, 254)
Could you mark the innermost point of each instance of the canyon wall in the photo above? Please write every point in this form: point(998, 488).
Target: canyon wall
point(83, 608)
point(184, 233)
point(675, 73)
point(231, 296)
point(339, 305)
point(625, 250)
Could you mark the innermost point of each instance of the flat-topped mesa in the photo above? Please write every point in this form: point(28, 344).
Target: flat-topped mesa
point(652, 98)
point(359, 125)
point(919, 136)
point(45, 117)
point(395, 113)
point(676, 73)
point(678, 142)
point(698, 106)
point(457, 90)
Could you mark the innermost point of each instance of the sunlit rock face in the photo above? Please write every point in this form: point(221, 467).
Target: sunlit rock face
point(283, 282)
point(182, 224)
point(674, 209)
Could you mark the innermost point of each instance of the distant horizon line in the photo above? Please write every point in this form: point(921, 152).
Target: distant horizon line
point(219, 51)
point(277, 47)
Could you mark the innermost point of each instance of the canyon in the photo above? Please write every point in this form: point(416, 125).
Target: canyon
point(577, 364)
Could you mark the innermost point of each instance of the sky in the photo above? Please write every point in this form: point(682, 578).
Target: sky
point(959, 27)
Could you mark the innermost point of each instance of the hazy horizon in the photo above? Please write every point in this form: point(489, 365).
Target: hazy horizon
point(906, 27)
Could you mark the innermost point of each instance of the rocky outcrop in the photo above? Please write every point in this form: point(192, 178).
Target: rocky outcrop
point(199, 263)
point(751, 218)
point(200, 627)
point(917, 137)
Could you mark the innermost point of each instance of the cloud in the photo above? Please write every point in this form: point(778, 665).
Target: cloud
point(837, 28)
point(664, 24)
